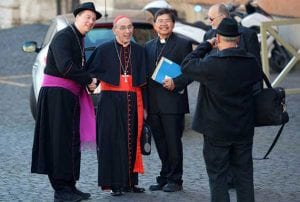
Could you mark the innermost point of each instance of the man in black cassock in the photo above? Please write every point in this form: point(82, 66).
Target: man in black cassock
point(120, 67)
point(167, 103)
point(56, 147)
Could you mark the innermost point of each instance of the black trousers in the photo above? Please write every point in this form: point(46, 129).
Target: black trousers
point(61, 184)
point(219, 156)
point(167, 132)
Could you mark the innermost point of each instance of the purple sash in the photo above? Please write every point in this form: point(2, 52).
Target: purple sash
point(87, 113)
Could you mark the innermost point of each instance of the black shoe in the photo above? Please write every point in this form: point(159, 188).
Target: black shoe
point(116, 191)
point(66, 196)
point(156, 187)
point(134, 189)
point(83, 195)
point(172, 187)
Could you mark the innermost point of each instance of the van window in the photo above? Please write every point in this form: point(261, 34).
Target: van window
point(96, 37)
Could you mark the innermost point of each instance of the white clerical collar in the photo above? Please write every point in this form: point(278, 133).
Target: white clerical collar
point(162, 41)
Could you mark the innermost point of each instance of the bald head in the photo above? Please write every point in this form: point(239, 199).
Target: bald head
point(216, 13)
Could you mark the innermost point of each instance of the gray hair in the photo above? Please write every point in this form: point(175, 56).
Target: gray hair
point(230, 38)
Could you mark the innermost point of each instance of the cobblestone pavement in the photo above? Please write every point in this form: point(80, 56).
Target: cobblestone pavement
point(276, 179)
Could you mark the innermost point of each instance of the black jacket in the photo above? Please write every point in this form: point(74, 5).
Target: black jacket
point(64, 57)
point(225, 108)
point(161, 100)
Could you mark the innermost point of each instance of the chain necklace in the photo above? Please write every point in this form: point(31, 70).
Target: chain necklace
point(126, 63)
point(80, 46)
point(158, 56)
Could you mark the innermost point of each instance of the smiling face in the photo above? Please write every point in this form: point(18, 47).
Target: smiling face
point(85, 21)
point(164, 25)
point(123, 29)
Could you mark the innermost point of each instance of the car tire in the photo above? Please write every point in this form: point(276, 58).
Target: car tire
point(32, 102)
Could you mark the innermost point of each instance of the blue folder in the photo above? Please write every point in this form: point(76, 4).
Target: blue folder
point(166, 68)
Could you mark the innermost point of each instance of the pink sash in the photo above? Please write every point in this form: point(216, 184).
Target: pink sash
point(87, 113)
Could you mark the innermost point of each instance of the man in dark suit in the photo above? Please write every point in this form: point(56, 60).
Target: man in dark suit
point(248, 38)
point(167, 103)
point(59, 130)
point(248, 41)
point(225, 110)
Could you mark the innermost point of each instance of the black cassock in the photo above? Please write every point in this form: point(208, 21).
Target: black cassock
point(56, 147)
point(117, 112)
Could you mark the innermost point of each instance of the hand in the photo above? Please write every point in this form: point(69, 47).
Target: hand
point(93, 85)
point(168, 83)
point(213, 42)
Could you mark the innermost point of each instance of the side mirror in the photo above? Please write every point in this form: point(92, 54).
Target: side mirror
point(30, 47)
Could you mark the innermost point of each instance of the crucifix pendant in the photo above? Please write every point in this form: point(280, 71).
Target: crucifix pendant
point(82, 62)
point(125, 77)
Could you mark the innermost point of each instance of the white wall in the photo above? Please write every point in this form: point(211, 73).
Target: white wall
point(9, 10)
point(17, 12)
point(32, 11)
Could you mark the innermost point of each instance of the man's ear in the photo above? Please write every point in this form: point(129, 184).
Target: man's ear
point(114, 30)
point(218, 37)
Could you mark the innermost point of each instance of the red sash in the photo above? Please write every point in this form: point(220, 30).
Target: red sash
point(126, 86)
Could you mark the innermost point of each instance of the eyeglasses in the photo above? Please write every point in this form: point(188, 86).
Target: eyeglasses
point(161, 21)
point(123, 28)
point(212, 19)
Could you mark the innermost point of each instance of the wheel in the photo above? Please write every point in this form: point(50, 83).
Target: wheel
point(279, 58)
point(32, 101)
